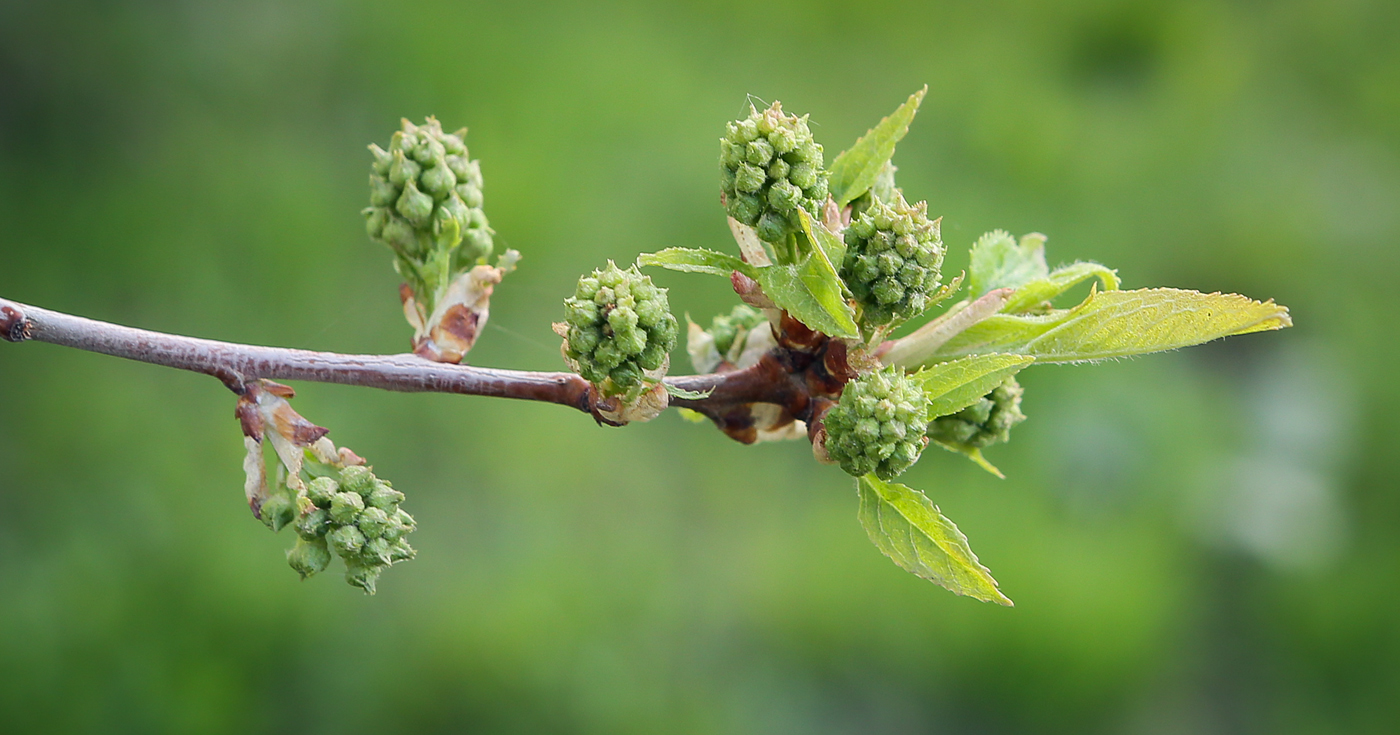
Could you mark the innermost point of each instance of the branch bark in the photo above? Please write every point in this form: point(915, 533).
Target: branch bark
point(237, 365)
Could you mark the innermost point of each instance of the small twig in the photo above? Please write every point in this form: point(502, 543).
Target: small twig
point(236, 365)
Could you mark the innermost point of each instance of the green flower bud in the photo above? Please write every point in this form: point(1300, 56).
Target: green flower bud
point(345, 507)
point(893, 256)
point(309, 557)
point(376, 551)
point(321, 491)
point(427, 180)
point(356, 479)
point(878, 425)
point(769, 169)
point(384, 497)
point(401, 551)
point(362, 576)
point(277, 511)
point(986, 422)
point(346, 541)
point(372, 522)
point(618, 329)
point(314, 524)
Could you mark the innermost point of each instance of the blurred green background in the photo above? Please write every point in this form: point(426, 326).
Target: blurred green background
point(1200, 542)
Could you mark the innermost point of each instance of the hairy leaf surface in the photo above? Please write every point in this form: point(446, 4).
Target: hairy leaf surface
point(811, 293)
point(998, 261)
point(1034, 293)
point(697, 260)
point(855, 170)
point(1119, 324)
point(952, 386)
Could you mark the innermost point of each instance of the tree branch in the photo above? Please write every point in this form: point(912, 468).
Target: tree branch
point(236, 365)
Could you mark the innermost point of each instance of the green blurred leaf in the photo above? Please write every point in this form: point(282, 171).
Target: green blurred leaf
point(697, 260)
point(952, 386)
point(1119, 324)
point(855, 170)
point(812, 293)
point(908, 528)
point(1040, 290)
point(974, 454)
point(998, 261)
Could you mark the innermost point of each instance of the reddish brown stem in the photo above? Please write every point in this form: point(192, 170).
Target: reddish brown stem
point(237, 365)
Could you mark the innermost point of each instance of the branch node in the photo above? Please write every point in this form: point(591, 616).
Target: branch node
point(14, 325)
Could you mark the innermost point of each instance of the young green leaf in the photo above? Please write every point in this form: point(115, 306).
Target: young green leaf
point(998, 261)
point(855, 170)
point(812, 293)
point(697, 260)
point(909, 529)
point(1037, 292)
point(974, 454)
point(833, 247)
point(952, 386)
point(1118, 324)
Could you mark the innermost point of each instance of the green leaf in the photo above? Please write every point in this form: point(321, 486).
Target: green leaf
point(833, 247)
point(998, 261)
point(1118, 324)
point(974, 454)
point(910, 529)
point(952, 386)
point(811, 292)
point(1036, 292)
point(697, 260)
point(855, 170)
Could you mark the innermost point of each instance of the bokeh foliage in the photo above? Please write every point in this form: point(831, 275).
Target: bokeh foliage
point(1200, 542)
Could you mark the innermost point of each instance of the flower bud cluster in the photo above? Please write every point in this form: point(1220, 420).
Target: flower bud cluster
point(893, 257)
point(425, 197)
point(618, 330)
point(358, 518)
point(769, 168)
point(986, 422)
point(878, 425)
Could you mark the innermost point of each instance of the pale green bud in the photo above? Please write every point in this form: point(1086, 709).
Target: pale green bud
point(878, 425)
point(345, 507)
point(346, 541)
point(309, 557)
point(277, 511)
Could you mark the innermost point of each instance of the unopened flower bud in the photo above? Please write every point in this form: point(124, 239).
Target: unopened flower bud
point(618, 329)
point(346, 541)
point(769, 169)
point(878, 425)
point(277, 511)
point(893, 257)
point(345, 507)
point(309, 557)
